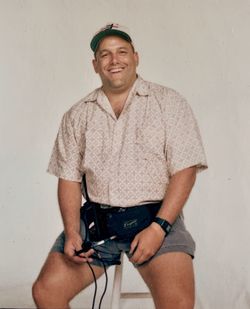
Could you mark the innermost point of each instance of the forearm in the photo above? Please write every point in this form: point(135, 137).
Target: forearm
point(177, 193)
point(70, 198)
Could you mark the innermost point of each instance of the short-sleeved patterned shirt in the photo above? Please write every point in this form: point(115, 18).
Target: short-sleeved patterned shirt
point(128, 160)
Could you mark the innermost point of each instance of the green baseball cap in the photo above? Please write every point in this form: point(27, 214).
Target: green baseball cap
point(109, 29)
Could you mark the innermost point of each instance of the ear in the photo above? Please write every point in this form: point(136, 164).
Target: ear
point(136, 57)
point(94, 62)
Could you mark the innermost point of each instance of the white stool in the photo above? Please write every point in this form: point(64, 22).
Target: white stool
point(117, 294)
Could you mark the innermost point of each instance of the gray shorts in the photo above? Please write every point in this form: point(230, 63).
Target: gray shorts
point(178, 240)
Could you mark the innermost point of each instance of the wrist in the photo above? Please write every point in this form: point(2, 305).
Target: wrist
point(157, 229)
point(71, 233)
point(163, 224)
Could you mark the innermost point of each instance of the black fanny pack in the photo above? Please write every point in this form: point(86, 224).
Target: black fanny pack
point(123, 223)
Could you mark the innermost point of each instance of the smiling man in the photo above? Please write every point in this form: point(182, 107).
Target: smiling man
point(133, 147)
point(115, 61)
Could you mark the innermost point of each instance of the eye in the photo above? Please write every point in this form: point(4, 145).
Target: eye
point(104, 55)
point(123, 52)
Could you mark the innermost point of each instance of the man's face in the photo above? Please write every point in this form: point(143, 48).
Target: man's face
point(116, 63)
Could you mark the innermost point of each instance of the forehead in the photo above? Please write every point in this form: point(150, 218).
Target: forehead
point(112, 42)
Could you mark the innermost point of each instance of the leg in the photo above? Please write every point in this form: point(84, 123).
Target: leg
point(60, 280)
point(170, 279)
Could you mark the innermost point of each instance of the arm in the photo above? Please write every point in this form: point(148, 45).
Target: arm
point(70, 198)
point(177, 194)
point(150, 239)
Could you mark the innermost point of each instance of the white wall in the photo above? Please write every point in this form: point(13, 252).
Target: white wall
point(200, 48)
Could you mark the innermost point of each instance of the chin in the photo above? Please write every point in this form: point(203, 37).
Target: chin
point(117, 84)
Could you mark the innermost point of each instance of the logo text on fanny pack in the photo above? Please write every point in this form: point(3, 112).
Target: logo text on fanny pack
point(130, 224)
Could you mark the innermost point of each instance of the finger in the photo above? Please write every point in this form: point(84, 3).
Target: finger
point(84, 259)
point(85, 254)
point(81, 260)
point(89, 253)
point(133, 246)
point(72, 255)
point(141, 260)
point(74, 259)
point(137, 255)
point(69, 252)
point(77, 245)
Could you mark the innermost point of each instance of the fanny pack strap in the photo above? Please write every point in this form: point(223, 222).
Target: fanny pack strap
point(94, 214)
point(85, 188)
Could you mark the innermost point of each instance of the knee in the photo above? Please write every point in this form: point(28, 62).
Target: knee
point(39, 291)
point(44, 292)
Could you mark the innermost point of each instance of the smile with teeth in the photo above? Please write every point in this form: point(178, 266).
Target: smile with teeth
point(115, 70)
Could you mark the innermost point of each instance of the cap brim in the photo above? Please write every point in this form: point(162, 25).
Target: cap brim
point(99, 36)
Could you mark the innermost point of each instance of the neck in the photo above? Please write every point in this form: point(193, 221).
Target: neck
point(117, 94)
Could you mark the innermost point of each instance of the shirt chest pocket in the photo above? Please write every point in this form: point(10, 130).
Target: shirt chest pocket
point(150, 142)
point(151, 160)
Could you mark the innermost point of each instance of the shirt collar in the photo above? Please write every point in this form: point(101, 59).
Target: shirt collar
point(92, 97)
point(141, 87)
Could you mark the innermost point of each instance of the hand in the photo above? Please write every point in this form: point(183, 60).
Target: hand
point(73, 243)
point(146, 243)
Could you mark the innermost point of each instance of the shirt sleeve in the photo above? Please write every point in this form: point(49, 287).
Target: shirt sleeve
point(67, 154)
point(183, 140)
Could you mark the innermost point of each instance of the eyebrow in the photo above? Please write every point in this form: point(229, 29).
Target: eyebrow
point(103, 51)
point(107, 50)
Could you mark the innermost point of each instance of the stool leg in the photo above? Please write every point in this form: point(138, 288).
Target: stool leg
point(117, 284)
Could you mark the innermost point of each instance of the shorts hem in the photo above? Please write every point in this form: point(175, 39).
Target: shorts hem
point(176, 248)
point(169, 249)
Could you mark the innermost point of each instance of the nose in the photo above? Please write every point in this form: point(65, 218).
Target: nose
point(114, 58)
